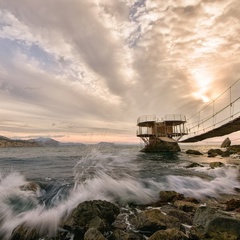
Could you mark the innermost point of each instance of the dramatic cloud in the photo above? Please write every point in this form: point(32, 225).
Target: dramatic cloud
point(87, 69)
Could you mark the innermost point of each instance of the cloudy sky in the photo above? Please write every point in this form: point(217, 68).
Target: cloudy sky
point(85, 70)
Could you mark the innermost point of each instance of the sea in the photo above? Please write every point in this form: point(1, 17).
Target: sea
point(121, 174)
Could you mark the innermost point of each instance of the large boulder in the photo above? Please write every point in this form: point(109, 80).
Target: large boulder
point(216, 225)
point(169, 196)
point(169, 234)
point(93, 234)
point(226, 143)
point(95, 214)
point(162, 146)
point(184, 217)
point(152, 220)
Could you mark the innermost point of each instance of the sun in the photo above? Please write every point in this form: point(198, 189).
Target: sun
point(203, 79)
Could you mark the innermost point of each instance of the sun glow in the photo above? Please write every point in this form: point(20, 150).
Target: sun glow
point(203, 79)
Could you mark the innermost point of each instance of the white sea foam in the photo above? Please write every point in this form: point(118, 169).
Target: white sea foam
point(110, 176)
point(222, 181)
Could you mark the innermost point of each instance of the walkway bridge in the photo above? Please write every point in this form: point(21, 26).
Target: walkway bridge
point(218, 118)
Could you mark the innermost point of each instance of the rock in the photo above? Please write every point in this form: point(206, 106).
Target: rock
point(204, 215)
point(162, 146)
point(226, 143)
point(193, 152)
point(234, 148)
point(169, 234)
point(96, 214)
point(216, 164)
point(182, 216)
point(224, 228)
point(215, 224)
point(185, 206)
point(193, 165)
point(227, 153)
point(126, 235)
point(169, 196)
point(22, 232)
point(152, 220)
point(214, 152)
point(31, 186)
point(93, 234)
point(121, 221)
point(233, 204)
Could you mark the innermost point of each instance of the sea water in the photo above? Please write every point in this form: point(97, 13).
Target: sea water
point(69, 175)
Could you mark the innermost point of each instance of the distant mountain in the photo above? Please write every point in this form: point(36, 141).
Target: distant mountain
point(4, 138)
point(7, 142)
point(46, 142)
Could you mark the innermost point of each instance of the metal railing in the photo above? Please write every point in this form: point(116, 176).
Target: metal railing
point(221, 110)
point(146, 118)
point(175, 117)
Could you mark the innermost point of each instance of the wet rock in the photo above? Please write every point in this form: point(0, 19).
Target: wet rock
point(193, 165)
point(214, 152)
point(215, 225)
point(182, 216)
point(152, 220)
point(234, 148)
point(233, 204)
point(96, 214)
point(197, 233)
point(204, 215)
point(193, 152)
point(216, 164)
point(237, 189)
point(23, 232)
point(126, 235)
point(31, 186)
point(169, 196)
point(226, 143)
point(169, 234)
point(185, 206)
point(224, 228)
point(162, 146)
point(93, 234)
point(227, 153)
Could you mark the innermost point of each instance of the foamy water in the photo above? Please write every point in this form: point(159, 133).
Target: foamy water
point(121, 175)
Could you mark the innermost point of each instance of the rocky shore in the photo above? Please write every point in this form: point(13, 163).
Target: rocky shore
point(172, 217)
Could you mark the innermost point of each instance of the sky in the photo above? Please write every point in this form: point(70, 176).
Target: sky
point(84, 71)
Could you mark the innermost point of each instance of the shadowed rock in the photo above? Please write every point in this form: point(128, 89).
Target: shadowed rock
point(169, 234)
point(193, 152)
point(152, 220)
point(226, 143)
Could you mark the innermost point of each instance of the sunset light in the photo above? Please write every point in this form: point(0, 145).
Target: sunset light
point(75, 68)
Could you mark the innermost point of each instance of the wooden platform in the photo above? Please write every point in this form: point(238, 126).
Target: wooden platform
point(230, 127)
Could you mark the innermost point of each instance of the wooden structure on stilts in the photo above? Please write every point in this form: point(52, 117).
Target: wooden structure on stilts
point(161, 134)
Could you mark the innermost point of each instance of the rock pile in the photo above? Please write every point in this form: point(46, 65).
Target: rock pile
point(173, 217)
